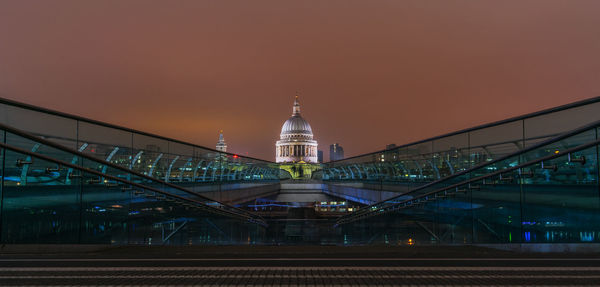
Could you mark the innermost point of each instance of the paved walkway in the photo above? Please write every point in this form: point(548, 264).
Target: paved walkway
point(235, 266)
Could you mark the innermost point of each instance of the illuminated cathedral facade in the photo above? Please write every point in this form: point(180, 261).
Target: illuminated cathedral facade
point(296, 143)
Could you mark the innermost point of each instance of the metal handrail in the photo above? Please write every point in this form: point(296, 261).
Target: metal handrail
point(492, 124)
point(469, 181)
point(206, 207)
point(104, 124)
point(549, 137)
point(470, 147)
point(109, 164)
point(484, 164)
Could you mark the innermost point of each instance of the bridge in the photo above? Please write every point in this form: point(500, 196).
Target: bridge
point(531, 179)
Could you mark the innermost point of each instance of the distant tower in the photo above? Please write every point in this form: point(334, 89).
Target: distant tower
point(221, 145)
point(336, 152)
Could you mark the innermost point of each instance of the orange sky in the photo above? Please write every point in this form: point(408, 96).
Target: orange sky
point(369, 72)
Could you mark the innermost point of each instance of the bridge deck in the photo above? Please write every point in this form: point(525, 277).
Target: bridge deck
point(298, 266)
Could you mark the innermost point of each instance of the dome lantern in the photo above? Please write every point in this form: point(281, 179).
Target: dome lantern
point(296, 109)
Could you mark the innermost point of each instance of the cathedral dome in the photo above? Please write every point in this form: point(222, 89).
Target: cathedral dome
point(296, 125)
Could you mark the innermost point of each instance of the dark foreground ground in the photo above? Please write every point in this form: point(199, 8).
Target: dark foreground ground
point(292, 266)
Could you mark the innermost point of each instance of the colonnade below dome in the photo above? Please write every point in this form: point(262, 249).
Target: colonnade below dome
point(296, 152)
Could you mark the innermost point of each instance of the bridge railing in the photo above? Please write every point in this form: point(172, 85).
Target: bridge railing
point(433, 159)
point(555, 145)
point(551, 199)
point(18, 171)
point(47, 200)
point(156, 156)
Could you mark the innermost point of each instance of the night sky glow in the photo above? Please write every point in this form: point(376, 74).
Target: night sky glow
point(369, 73)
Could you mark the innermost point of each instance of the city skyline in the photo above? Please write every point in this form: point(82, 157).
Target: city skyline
point(411, 73)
